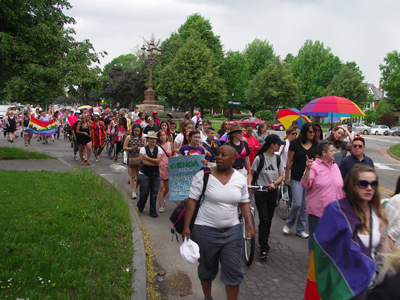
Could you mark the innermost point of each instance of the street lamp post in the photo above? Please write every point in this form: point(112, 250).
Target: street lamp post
point(233, 95)
point(151, 57)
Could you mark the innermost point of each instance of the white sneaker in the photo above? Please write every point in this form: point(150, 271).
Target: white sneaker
point(286, 230)
point(134, 195)
point(303, 235)
point(161, 210)
point(84, 158)
point(76, 157)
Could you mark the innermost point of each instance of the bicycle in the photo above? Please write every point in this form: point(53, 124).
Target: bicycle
point(110, 147)
point(284, 201)
point(249, 244)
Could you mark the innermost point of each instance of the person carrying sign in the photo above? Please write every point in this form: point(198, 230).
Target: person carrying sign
point(267, 170)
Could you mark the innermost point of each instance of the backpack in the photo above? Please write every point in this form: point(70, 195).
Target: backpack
point(261, 165)
point(177, 217)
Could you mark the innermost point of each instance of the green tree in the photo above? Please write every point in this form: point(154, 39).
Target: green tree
point(39, 55)
point(348, 84)
point(384, 106)
point(126, 61)
point(235, 72)
point(258, 53)
point(275, 85)
point(371, 117)
point(391, 77)
point(353, 65)
point(125, 86)
point(191, 78)
point(198, 23)
point(314, 67)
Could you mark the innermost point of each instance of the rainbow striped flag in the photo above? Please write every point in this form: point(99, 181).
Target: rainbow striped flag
point(39, 127)
point(340, 265)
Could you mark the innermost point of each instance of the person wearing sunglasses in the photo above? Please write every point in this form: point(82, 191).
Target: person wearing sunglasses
point(319, 194)
point(357, 156)
point(349, 240)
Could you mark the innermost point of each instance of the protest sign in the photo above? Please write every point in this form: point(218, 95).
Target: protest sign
point(181, 172)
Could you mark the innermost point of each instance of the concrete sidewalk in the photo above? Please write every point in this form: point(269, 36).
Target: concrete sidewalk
point(60, 165)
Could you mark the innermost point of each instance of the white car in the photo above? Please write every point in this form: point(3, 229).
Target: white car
point(380, 129)
point(364, 129)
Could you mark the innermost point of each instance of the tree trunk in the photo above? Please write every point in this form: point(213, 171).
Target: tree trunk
point(274, 111)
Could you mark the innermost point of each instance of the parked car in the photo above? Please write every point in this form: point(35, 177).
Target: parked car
point(397, 132)
point(253, 121)
point(393, 130)
point(380, 129)
point(362, 128)
point(277, 126)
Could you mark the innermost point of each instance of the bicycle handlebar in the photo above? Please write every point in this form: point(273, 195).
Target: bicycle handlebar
point(258, 188)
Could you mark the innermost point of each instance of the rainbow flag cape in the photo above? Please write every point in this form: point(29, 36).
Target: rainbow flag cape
point(340, 265)
point(41, 128)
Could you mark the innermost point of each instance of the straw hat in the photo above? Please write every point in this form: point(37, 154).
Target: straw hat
point(235, 127)
point(151, 135)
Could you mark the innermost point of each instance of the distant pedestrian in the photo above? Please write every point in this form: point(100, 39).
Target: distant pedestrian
point(98, 130)
point(83, 138)
point(156, 118)
point(133, 143)
point(196, 118)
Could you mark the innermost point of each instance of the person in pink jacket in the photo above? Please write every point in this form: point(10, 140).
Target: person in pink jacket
point(324, 184)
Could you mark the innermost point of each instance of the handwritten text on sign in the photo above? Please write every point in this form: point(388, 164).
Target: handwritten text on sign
point(181, 172)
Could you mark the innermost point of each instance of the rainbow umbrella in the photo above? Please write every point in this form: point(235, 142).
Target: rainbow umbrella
point(332, 106)
point(332, 119)
point(287, 116)
point(84, 107)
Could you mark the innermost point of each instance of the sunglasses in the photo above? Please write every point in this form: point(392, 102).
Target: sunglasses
point(358, 146)
point(293, 133)
point(363, 184)
point(319, 130)
point(311, 132)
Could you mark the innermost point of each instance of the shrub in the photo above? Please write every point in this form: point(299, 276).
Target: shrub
point(265, 115)
point(388, 120)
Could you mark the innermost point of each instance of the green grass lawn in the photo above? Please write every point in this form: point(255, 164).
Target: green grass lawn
point(7, 153)
point(63, 236)
point(395, 150)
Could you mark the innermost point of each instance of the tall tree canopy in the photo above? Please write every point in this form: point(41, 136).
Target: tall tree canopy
point(197, 23)
point(391, 77)
point(314, 67)
point(39, 54)
point(200, 29)
point(258, 53)
point(125, 61)
point(192, 78)
point(275, 85)
point(348, 84)
point(235, 72)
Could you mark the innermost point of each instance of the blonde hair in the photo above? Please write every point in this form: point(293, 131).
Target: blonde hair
point(392, 263)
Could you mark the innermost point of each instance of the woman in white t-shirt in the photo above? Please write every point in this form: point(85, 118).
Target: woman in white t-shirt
point(217, 230)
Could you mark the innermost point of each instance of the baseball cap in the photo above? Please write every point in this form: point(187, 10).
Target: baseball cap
point(198, 113)
point(154, 112)
point(274, 139)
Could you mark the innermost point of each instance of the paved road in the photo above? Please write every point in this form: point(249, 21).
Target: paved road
point(281, 276)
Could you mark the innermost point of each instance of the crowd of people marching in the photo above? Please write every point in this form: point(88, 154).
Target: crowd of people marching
point(333, 187)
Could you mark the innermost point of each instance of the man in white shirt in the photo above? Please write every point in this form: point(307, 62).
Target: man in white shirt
point(196, 119)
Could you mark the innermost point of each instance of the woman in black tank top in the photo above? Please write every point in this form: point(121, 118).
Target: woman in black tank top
point(25, 124)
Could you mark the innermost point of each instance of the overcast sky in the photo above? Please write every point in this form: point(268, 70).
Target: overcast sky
point(363, 31)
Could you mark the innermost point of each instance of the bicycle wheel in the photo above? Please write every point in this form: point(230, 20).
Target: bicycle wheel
point(249, 244)
point(110, 150)
point(283, 202)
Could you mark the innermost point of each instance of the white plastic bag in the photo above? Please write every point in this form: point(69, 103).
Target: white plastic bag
point(124, 158)
point(190, 251)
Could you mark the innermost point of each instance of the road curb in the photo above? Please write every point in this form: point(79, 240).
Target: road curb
point(139, 281)
point(392, 155)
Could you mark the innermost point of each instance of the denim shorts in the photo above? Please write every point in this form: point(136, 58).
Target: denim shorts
point(219, 245)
